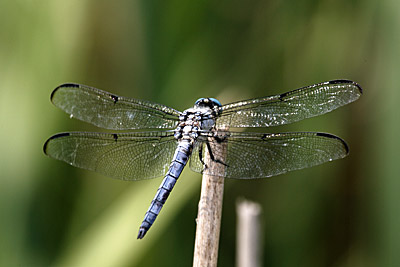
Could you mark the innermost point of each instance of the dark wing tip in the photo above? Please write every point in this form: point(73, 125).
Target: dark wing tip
point(341, 81)
point(346, 147)
point(142, 233)
point(63, 86)
point(51, 138)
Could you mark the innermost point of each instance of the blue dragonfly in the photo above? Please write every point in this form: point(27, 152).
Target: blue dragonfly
point(168, 138)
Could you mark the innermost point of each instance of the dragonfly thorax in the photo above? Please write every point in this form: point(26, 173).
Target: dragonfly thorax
point(200, 117)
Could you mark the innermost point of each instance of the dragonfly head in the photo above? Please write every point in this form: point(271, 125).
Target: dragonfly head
point(208, 102)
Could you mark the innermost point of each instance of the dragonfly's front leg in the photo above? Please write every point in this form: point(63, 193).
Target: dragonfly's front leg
point(211, 156)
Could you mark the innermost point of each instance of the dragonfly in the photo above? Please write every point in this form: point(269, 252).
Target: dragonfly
point(162, 140)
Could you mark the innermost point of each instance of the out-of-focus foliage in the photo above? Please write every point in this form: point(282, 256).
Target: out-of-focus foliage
point(344, 213)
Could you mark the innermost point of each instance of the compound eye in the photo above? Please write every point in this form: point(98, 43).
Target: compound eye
point(216, 102)
point(199, 100)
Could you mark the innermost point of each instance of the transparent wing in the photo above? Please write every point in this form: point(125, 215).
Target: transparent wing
point(290, 107)
point(109, 111)
point(126, 156)
point(257, 155)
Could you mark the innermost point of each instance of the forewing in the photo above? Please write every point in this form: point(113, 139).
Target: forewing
point(290, 107)
point(109, 111)
point(126, 156)
point(256, 155)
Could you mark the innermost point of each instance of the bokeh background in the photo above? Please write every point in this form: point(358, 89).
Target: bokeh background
point(344, 213)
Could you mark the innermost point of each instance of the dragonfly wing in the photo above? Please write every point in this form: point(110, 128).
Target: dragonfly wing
point(257, 155)
point(290, 107)
point(126, 156)
point(109, 111)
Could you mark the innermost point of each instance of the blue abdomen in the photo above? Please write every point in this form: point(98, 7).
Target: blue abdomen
point(179, 161)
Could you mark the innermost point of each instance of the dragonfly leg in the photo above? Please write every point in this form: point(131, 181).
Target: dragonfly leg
point(201, 157)
point(219, 139)
point(212, 155)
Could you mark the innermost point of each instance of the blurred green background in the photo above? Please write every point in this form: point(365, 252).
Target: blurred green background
point(343, 213)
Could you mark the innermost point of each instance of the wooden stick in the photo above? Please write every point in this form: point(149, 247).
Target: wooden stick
point(210, 209)
point(248, 241)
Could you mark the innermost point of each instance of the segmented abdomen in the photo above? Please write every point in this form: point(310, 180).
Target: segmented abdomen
point(179, 161)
